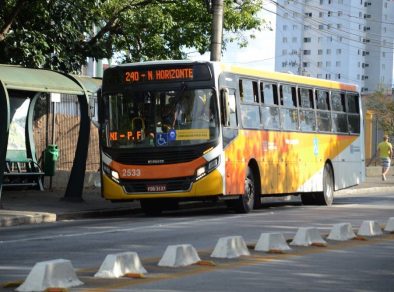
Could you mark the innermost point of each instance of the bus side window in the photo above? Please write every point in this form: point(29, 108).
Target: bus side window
point(289, 112)
point(269, 111)
point(248, 91)
point(307, 113)
point(339, 120)
point(353, 109)
point(323, 111)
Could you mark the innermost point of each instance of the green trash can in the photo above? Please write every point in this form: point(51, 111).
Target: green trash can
point(51, 155)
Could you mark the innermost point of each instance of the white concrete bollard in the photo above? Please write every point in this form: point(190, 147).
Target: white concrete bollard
point(306, 236)
point(179, 256)
point(50, 274)
point(230, 247)
point(341, 232)
point(119, 264)
point(369, 228)
point(271, 242)
point(389, 225)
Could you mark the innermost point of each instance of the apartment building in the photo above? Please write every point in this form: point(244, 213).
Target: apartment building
point(343, 40)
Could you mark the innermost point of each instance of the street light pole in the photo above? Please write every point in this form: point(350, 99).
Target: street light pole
point(217, 30)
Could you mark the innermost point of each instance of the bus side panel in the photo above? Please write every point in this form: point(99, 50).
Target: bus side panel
point(348, 167)
point(288, 162)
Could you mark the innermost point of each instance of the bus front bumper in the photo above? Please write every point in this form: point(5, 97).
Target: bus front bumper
point(210, 185)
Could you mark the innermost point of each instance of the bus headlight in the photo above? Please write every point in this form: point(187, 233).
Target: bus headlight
point(113, 174)
point(207, 168)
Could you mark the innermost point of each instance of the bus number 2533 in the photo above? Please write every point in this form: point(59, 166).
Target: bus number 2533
point(131, 172)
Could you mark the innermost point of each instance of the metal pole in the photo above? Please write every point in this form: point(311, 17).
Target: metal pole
point(217, 30)
point(53, 136)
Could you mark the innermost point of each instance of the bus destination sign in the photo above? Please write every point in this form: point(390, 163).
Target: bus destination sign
point(151, 75)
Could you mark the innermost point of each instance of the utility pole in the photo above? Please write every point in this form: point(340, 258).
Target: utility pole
point(217, 30)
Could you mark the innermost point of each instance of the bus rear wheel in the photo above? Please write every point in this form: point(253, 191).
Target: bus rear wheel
point(326, 197)
point(246, 202)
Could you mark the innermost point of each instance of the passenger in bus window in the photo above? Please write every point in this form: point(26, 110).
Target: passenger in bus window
point(385, 151)
point(180, 112)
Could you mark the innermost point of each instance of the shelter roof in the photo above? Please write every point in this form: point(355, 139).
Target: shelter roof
point(41, 80)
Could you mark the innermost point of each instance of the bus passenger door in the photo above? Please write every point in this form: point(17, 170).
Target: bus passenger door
point(234, 179)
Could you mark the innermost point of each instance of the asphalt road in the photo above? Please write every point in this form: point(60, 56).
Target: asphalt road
point(354, 265)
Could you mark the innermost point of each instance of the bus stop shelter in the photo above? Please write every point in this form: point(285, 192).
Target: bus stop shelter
point(18, 83)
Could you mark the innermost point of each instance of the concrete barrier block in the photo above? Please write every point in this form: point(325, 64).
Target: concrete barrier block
point(179, 256)
point(306, 236)
point(341, 232)
point(117, 265)
point(271, 242)
point(230, 247)
point(50, 274)
point(389, 225)
point(369, 228)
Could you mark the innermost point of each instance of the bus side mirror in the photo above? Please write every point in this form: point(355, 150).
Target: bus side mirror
point(224, 98)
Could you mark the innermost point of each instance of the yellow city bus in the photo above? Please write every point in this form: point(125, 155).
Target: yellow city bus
point(186, 130)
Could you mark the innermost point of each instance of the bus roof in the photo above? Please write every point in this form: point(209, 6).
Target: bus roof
point(288, 77)
point(270, 75)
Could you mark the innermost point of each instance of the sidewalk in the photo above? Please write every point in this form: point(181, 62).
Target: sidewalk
point(28, 207)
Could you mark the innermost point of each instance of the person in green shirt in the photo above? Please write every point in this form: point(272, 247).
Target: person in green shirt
point(385, 151)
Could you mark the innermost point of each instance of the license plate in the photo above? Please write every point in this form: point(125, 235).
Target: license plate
point(156, 188)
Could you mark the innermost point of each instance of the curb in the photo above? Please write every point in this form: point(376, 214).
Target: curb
point(12, 218)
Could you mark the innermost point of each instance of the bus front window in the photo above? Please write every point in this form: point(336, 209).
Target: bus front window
point(162, 118)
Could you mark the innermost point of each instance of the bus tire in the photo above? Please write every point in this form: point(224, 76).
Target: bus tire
point(325, 197)
point(151, 207)
point(245, 202)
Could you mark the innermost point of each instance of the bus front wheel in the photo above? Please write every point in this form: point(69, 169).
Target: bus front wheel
point(245, 203)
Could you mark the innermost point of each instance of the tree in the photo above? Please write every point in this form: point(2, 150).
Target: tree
point(382, 107)
point(61, 34)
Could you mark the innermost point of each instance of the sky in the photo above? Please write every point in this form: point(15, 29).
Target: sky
point(260, 52)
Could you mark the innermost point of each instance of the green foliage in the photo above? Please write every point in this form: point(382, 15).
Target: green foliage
point(60, 34)
point(382, 106)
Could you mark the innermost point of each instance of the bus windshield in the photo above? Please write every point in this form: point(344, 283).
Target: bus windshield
point(140, 118)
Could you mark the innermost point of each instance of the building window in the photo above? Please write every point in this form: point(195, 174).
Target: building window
point(321, 26)
point(328, 51)
point(339, 51)
point(319, 64)
point(284, 40)
point(307, 40)
point(328, 64)
point(294, 39)
point(338, 63)
point(284, 27)
point(307, 52)
point(284, 52)
point(320, 52)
